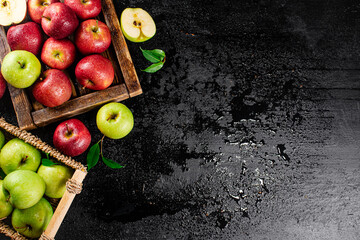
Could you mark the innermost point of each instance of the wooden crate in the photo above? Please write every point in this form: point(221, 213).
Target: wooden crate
point(62, 207)
point(31, 114)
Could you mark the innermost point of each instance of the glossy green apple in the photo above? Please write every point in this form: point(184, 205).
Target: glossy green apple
point(114, 120)
point(5, 206)
point(32, 222)
point(137, 25)
point(23, 188)
point(17, 154)
point(2, 139)
point(55, 178)
point(20, 68)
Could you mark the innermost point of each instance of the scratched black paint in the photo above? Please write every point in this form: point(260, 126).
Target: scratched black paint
point(250, 131)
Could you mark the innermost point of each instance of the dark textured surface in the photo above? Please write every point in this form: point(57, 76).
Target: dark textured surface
point(251, 130)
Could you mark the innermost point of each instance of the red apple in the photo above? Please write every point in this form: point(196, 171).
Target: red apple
point(2, 85)
point(95, 72)
point(53, 88)
point(59, 54)
point(37, 7)
point(72, 137)
point(92, 36)
point(85, 9)
point(26, 36)
point(59, 21)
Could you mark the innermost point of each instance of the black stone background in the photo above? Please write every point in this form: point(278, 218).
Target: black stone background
point(250, 131)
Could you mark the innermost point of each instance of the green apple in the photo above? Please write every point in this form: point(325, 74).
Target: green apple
point(55, 178)
point(2, 139)
point(114, 120)
point(5, 206)
point(20, 68)
point(137, 25)
point(23, 188)
point(17, 154)
point(32, 222)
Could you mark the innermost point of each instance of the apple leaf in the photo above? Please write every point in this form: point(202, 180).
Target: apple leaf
point(154, 56)
point(154, 67)
point(47, 162)
point(2, 174)
point(93, 155)
point(110, 163)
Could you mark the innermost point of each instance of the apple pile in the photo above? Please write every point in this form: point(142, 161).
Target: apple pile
point(22, 67)
point(27, 178)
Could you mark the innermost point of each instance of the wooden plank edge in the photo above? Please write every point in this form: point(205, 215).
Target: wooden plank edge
point(19, 97)
point(63, 207)
point(122, 52)
point(80, 105)
point(22, 108)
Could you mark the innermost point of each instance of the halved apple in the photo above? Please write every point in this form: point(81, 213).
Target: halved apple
point(12, 11)
point(137, 25)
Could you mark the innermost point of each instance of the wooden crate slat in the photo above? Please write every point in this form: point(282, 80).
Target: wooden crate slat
point(63, 207)
point(79, 105)
point(121, 49)
point(19, 98)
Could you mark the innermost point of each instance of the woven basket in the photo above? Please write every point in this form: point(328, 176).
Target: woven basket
point(73, 186)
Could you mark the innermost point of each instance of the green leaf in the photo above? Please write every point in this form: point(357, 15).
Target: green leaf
point(111, 163)
point(47, 162)
point(92, 157)
point(2, 174)
point(154, 56)
point(154, 67)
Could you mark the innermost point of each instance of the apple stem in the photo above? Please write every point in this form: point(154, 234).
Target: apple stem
point(97, 26)
point(69, 132)
point(101, 144)
point(21, 65)
point(46, 17)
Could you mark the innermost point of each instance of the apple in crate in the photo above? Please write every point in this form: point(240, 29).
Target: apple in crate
point(95, 72)
point(85, 9)
point(36, 8)
point(20, 68)
point(17, 154)
point(52, 89)
point(92, 36)
point(32, 222)
point(23, 188)
point(5, 206)
point(12, 11)
point(59, 21)
point(71, 137)
point(55, 177)
point(2, 86)
point(115, 120)
point(59, 54)
point(27, 36)
point(137, 25)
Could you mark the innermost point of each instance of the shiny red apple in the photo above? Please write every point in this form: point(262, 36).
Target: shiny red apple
point(27, 36)
point(95, 72)
point(59, 54)
point(92, 36)
point(36, 8)
point(85, 9)
point(53, 88)
point(2, 86)
point(59, 21)
point(72, 137)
